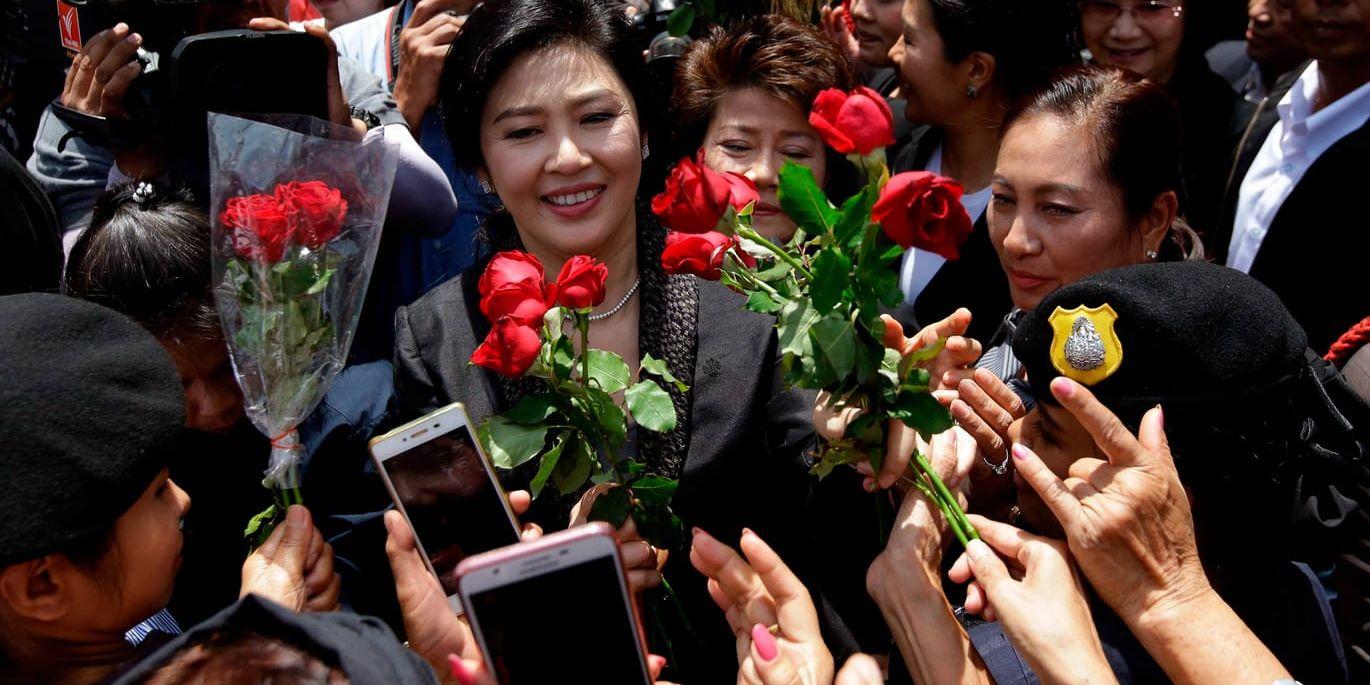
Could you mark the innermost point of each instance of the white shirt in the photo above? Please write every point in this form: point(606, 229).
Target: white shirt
point(367, 41)
point(1294, 144)
point(919, 265)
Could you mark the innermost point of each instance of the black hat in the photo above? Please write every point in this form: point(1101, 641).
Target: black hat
point(362, 647)
point(1174, 333)
point(90, 410)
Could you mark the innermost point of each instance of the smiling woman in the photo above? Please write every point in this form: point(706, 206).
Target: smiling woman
point(743, 96)
point(543, 100)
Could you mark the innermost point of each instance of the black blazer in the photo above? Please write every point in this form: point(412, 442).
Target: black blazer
point(745, 462)
point(976, 281)
point(1316, 247)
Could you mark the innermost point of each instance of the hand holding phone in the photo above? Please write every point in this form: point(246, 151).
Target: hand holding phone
point(543, 607)
point(446, 489)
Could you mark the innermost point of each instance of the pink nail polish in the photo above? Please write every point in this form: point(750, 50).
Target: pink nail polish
point(765, 643)
point(1019, 451)
point(1063, 388)
point(459, 671)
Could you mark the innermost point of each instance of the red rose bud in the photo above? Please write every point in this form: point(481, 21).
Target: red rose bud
point(581, 282)
point(741, 190)
point(857, 122)
point(923, 210)
point(512, 286)
point(700, 254)
point(695, 198)
point(260, 226)
point(316, 209)
point(509, 349)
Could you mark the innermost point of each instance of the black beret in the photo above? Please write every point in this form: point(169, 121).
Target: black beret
point(362, 647)
point(1187, 333)
point(91, 408)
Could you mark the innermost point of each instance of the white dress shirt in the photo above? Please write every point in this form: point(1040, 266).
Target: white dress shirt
point(919, 266)
point(1294, 144)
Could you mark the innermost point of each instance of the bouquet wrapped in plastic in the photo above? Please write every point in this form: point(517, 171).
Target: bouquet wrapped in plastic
point(297, 206)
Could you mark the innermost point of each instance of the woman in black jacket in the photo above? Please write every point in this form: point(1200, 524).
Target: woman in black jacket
point(542, 102)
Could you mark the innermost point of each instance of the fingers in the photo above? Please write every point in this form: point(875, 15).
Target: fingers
point(988, 568)
point(900, 441)
point(1005, 539)
point(92, 55)
point(112, 96)
point(337, 99)
point(771, 666)
point(580, 513)
point(405, 563)
point(1063, 504)
point(267, 24)
point(1108, 432)
point(955, 324)
point(831, 422)
point(427, 9)
point(120, 53)
point(519, 501)
point(1000, 392)
point(1151, 435)
point(860, 669)
point(794, 608)
point(892, 335)
point(735, 577)
point(531, 531)
point(1096, 472)
point(655, 664)
point(299, 533)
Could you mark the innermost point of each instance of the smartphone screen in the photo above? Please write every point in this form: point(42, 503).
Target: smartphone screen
point(537, 629)
point(451, 502)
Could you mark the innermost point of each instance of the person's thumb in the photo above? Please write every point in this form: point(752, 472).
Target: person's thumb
point(771, 665)
point(860, 669)
point(293, 552)
point(988, 568)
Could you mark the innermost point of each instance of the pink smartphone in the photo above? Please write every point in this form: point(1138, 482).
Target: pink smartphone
point(542, 609)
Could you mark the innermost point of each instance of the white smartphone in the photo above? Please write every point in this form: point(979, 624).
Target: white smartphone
point(441, 480)
point(542, 609)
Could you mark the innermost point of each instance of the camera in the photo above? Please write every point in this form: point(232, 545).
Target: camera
point(657, 40)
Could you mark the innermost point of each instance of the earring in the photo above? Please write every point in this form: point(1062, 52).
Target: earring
point(971, 90)
point(1152, 255)
point(485, 187)
point(645, 151)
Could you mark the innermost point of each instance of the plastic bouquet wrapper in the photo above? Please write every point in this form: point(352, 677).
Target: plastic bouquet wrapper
point(297, 206)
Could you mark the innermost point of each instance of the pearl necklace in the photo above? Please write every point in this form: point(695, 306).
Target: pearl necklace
point(615, 309)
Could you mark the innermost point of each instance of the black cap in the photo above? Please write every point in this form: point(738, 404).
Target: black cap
point(91, 409)
point(362, 647)
point(1187, 333)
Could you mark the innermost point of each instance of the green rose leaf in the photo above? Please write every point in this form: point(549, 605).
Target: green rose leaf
point(658, 525)
point(531, 409)
point(654, 490)
point(613, 506)
point(680, 20)
point(920, 411)
point(651, 407)
point(796, 318)
point(321, 282)
point(658, 368)
point(803, 201)
point(511, 444)
point(573, 468)
point(835, 337)
point(608, 416)
point(609, 370)
point(761, 303)
point(856, 211)
point(545, 467)
point(256, 523)
point(831, 274)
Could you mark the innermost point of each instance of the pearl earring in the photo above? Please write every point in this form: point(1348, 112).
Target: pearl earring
point(1152, 255)
point(645, 151)
point(972, 91)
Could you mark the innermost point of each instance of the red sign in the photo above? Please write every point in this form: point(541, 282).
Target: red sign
point(69, 25)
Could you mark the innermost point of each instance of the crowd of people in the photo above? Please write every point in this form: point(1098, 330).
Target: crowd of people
point(1193, 506)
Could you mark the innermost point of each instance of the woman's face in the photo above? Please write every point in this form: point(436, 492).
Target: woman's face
point(878, 25)
point(754, 133)
point(135, 578)
point(1141, 35)
point(563, 150)
point(1053, 219)
point(214, 402)
point(1054, 435)
point(934, 87)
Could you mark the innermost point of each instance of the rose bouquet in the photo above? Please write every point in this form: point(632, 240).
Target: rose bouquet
point(299, 205)
point(827, 285)
point(575, 426)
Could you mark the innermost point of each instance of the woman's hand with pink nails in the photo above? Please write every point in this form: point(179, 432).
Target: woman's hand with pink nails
point(770, 611)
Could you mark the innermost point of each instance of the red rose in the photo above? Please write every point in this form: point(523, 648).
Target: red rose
point(858, 122)
point(696, 197)
point(700, 254)
point(580, 283)
point(512, 285)
point(921, 209)
point(509, 349)
point(316, 208)
point(260, 227)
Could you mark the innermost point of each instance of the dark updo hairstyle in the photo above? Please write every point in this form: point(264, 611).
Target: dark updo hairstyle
point(781, 57)
point(1135, 127)
point(1027, 38)
point(147, 254)
point(500, 31)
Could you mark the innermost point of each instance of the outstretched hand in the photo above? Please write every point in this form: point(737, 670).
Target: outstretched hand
point(294, 567)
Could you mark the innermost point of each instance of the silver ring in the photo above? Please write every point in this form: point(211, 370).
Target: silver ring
point(1002, 467)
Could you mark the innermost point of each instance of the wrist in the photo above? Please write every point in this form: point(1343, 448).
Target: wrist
point(1171, 607)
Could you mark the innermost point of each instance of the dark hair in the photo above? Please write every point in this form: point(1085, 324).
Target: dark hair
point(784, 58)
point(1027, 38)
point(231, 657)
point(500, 31)
point(147, 254)
point(1135, 126)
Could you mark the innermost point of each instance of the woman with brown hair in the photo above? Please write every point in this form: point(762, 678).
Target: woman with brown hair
point(743, 96)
